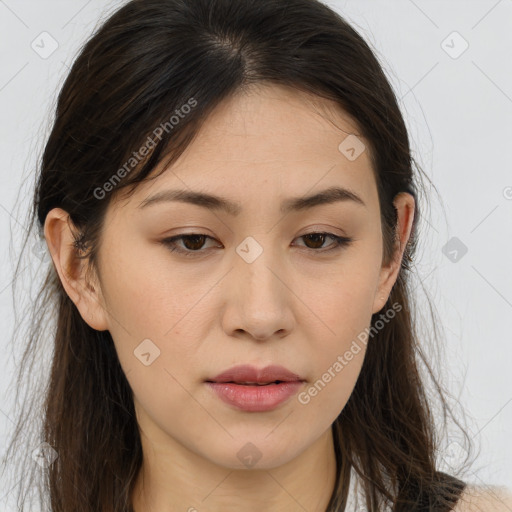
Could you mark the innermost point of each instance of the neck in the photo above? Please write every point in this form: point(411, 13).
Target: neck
point(176, 479)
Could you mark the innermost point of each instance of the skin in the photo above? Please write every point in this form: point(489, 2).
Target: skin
point(485, 499)
point(291, 306)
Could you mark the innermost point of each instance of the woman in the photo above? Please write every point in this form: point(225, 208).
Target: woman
point(228, 198)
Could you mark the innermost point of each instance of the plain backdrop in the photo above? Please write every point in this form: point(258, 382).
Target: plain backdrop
point(450, 63)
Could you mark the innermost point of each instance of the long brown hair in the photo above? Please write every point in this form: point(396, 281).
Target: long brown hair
point(140, 67)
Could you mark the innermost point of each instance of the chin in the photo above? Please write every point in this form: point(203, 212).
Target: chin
point(255, 453)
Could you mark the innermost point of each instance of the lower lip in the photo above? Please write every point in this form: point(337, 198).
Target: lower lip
point(255, 398)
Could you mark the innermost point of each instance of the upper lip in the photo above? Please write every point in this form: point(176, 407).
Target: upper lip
point(248, 373)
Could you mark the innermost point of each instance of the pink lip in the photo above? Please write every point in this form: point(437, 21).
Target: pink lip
point(229, 387)
point(248, 373)
point(255, 398)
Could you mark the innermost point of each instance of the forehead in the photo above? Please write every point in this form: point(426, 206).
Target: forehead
point(272, 140)
point(270, 123)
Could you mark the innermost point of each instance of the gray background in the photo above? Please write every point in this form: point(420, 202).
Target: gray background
point(458, 107)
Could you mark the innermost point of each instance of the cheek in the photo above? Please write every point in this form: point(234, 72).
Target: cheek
point(341, 301)
point(337, 362)
point(146, 295)
point(342, 305)
point(157, 324)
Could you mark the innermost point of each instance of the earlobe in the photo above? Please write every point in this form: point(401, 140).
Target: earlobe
point(58, 231)
point(405, 207)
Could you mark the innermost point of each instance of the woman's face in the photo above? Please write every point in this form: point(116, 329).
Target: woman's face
point(254, 290)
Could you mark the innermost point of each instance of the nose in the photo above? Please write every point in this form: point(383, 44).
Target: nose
point(259, 301)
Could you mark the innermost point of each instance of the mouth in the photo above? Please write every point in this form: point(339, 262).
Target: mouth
point(247, 375)
point(251, 390)
point(255, 397)
point(248, 383)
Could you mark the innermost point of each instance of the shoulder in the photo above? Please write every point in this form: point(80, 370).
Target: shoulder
point(484, 499)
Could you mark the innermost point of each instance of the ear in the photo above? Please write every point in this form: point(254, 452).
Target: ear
point(405, 207)
point(87, 297)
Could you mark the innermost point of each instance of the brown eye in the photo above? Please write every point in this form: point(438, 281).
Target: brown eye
point(194, 242)
point(190, 245)
point(317, 240)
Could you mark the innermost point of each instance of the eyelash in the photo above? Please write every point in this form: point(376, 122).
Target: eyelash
point(339, 243)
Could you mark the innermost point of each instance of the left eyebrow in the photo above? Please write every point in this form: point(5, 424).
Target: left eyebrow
point(213, 202)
